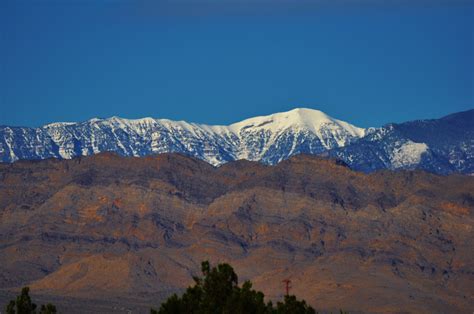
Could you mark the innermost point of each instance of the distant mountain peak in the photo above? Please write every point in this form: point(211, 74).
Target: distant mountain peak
point(297, 116)
point(300, 119)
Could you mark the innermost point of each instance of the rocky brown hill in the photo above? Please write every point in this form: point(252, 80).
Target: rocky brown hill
point(136, 229)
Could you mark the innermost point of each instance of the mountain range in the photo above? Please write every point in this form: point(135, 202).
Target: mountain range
point(114, 215)
point(441, 146)
point(109, 234)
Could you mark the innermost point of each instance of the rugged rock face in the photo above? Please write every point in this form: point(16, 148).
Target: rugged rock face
point(440, 146)
point(269, 139)
point(106, 226)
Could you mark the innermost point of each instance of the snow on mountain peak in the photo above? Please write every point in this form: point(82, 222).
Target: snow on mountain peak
point(58, 124)
point(300, 119)
point(94, 120)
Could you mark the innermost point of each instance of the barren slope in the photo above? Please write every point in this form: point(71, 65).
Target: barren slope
point(106, 226)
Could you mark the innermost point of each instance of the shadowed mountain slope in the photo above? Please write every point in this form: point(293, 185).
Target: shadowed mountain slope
point(109, 227)
point(440, 146)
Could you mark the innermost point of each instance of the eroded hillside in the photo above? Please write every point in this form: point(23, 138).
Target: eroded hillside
point(108, 227)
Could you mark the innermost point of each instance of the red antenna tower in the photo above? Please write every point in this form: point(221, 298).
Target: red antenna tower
point(287, 286)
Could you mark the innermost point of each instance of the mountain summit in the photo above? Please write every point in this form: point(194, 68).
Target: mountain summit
point(299, 118)
point(442, 146)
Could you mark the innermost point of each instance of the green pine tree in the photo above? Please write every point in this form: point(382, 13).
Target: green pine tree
point(23, 305)
point(218, 292)
point(293, 306)
point(48, 309)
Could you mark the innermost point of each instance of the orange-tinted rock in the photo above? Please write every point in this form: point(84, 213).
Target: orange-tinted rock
point(105, 226)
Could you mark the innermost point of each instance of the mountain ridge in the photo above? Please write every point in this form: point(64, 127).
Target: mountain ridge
point(250, 138)
point(443, 146)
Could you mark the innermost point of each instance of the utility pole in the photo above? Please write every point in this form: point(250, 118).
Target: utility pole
point(287, 286)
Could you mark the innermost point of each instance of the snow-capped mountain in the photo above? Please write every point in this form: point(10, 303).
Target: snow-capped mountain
point(269, 139)
point(442, 146)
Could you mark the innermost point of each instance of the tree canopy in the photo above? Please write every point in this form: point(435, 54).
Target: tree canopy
point(218, 292)
point(23, 305)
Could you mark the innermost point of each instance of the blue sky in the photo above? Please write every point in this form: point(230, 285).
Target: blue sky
point(217, 62)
